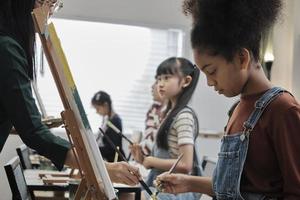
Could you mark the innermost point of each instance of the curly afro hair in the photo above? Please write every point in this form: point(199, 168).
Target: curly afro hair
point(223, 27)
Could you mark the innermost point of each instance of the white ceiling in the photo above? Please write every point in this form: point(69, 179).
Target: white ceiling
point(157, 13)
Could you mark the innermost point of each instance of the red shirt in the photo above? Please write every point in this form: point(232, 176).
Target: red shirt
point(272, 165)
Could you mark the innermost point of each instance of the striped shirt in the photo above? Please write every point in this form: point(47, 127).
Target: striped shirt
point(153, 120)
point(182, 131)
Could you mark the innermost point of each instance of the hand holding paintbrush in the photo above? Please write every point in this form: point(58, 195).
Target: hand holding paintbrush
point(145, 186)
point(159, 184)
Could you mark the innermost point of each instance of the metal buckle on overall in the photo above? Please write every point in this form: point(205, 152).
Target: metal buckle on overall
point(246, 131)
point(259, 104)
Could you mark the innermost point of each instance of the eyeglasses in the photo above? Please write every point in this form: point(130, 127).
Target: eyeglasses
point(54, 5)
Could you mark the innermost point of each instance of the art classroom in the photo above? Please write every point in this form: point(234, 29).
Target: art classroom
point(174, 99)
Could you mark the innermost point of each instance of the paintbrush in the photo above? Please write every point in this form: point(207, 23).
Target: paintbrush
point(113, 127)
point(171, 170)
point(145, 186)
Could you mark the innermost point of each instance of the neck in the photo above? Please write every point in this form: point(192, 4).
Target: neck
point(173, 102)
point(257, 82)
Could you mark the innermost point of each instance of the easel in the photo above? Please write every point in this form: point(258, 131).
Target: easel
point(88, 157)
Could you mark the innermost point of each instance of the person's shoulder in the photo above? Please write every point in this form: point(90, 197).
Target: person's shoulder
point(186, 110)
point(283, 115)
point(116, 119)
point(283, 103)
point(185, 113)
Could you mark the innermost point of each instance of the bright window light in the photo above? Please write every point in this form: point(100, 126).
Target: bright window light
point(118, 59)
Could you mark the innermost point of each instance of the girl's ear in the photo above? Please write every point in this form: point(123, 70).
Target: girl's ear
point(187, 80)
point(244, 58)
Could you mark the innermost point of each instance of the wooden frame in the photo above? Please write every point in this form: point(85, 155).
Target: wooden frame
point(95, 183)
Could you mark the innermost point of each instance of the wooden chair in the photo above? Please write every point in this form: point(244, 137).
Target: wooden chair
point(16, 180)
point(23, 153)
point(20, 189)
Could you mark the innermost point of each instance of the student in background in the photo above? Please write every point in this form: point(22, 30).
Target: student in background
point(259, 156)
point(153, 120)
point(101, 101)
point(17, 105)
point(176, 79)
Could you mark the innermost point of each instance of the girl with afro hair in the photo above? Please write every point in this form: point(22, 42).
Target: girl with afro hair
point(259, 157)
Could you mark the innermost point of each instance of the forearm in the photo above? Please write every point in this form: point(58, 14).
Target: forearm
point(164, 164)
point(200, 184)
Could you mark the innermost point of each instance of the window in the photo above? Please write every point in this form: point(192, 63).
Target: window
point(118, 59)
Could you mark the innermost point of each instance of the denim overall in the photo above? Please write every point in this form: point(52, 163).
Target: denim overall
point(164, 154)
point(228, 172)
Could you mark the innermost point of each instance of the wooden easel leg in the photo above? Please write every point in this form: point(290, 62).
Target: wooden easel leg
point(88, 196)
point(82, 189)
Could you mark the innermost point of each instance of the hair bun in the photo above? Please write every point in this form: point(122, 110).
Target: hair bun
point(227, 25)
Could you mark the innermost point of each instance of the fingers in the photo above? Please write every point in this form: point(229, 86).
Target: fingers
point(121, 172)
point(129, 174)
point(168, 183)
point(129, 178)
point(165, 177)
point(136, 152)
point(133, 148)
point(135, 171)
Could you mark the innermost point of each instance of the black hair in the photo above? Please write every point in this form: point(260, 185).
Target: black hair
point(16, 22)
point(182, 67)
point(224, 27)
point(100, 98)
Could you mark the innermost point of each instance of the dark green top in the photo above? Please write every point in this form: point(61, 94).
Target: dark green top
point(18, 108)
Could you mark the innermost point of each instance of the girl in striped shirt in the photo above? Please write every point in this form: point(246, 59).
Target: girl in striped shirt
point(177, 79)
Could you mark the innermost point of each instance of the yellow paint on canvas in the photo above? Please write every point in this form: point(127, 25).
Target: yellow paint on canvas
point(61, 55)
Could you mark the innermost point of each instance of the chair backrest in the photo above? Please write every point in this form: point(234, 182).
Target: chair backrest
point(23, 153)
point(208, 165)
point(16, 180)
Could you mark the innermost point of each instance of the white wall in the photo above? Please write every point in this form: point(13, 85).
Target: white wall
point(296, 44)
point(286, 67)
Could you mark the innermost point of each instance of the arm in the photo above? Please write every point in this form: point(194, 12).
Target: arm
point(20, 109)
point(181, 183)
point(183, 131)
point(286, 139)
point(185, 165)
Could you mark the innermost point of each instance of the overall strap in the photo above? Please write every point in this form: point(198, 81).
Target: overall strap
point(197, 166)
point(260, 106)
point(195, 121)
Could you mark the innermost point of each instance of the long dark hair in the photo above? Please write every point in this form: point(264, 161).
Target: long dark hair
point(100, 98)
point(16, 22)
point(181, 67)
